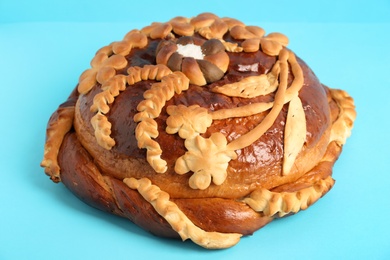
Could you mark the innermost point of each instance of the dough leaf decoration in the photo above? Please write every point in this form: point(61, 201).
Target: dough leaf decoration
point(294, 133)
point(252, 86)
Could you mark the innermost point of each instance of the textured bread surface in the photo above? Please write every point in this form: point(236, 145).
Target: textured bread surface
point(200, 128)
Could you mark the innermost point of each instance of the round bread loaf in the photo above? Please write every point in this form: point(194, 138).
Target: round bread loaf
point(201, 128)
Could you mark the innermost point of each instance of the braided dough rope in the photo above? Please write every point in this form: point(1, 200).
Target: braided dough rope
point(283, 203)
point(177, 219)
point(59, 125)
point(99, 121)
point(150, 108)
point(109, 59)
point(341, 129)
point(110, 90)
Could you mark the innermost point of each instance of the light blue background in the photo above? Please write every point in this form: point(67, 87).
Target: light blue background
point(45, 45)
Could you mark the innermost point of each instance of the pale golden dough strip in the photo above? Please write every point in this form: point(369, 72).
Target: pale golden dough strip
point(108, 59)
point(258, 131)
point(298, 81)
point(150, 108)
point(111, 89)
point(102, 128)
point(342, 127)
point(133, 39)
point(252, 86)
point(59, 125)
point(242, 111)
point(215, 31)
point(231, 47)
point(152, 72)
point(294, 133)
point(256, 108)
point(177, 219)
point(145, 131)
point(102, 67)
point(282, 203)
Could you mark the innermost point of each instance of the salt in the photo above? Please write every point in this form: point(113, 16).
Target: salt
point(251, 67)
point(190, 50)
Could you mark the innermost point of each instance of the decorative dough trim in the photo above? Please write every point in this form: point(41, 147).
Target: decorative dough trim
point(188, 122)
point(103, 68)
point(242, 111)
point(150, 108)
point(199, 149)
point(271, 203)
point(294, 133)
point(181, 26)
point(133, 39)
point(208, 159)
point(207, 67)
point(232, 47)
point(215, 59)
point(102, 132)
point(259, 130)
point(110, 90)
point(215, 31)
point(203, 20)
point(177, 219)
point(342, 127)
point(283, 203)
point(158, 30)
point(256, 108)
point(59, 125)
point(253, 37)
point(252, 86)
point(147, 72)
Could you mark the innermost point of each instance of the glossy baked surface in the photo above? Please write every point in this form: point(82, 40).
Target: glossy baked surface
point(346, 235)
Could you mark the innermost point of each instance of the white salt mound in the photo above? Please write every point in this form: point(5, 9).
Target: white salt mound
point(190, 50)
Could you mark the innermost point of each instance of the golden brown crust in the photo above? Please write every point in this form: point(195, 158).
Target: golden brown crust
point(201, 127)
point(109, 194)
point(178, 220)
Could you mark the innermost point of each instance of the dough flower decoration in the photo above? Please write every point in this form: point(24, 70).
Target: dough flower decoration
point(201, 61)
point(254, 39)
point(188, 121)
point(207, 158)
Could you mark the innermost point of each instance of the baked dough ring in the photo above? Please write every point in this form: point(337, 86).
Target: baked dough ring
point(187, 149)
